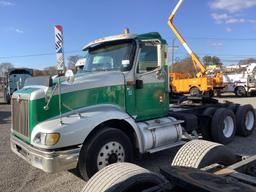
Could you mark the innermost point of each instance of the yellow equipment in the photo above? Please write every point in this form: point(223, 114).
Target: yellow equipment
point(202, 82)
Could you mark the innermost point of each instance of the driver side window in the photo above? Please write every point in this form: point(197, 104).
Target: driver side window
point(148, 58)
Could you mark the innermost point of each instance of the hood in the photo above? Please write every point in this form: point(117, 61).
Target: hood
point(94, 80)
point(88, 90)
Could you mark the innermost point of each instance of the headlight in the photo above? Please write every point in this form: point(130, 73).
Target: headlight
point(48, 139)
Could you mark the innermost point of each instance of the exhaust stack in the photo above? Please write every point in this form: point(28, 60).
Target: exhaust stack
point(59, 49)
point(126, 31)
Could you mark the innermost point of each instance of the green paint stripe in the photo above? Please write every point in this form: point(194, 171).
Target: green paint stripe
point(75, 100)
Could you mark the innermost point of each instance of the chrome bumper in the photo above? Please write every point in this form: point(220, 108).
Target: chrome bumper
point(50, 162)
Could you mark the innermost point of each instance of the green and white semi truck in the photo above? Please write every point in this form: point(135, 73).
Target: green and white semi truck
point(116, 108)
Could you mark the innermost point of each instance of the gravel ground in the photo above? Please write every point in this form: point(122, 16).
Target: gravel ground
point(17, 175)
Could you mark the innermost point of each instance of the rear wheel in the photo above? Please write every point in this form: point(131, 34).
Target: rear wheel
point(194, 91)
point(223, 126)
point(240, 91)
point(245, 117)
point(200, 153)
point(233, 107)
point(123, 177)
point(206, 130)
point(209, 93)
point(106, 147)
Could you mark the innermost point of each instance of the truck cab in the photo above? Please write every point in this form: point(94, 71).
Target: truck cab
point(117, 105)
point(15, 78)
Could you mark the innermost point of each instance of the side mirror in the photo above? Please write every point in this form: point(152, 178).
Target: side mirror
point(70, 77)
point(139, 84)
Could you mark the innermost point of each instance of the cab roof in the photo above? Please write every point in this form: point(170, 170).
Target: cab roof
point(145, 36)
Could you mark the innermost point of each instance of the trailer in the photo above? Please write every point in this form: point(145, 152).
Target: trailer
point(198, 166)
point(116, 108)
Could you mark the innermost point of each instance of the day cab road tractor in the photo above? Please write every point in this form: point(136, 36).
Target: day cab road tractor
point(14, 80)
point(117, 107)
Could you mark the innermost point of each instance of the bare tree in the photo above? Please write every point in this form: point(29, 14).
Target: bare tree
point(185, 66)
point(4, 68)
point(72, 61)
point(50, 71)
point(211, 60)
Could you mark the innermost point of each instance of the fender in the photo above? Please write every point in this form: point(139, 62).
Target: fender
point(76, 128)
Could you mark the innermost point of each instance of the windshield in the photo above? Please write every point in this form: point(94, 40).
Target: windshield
point(110, 57)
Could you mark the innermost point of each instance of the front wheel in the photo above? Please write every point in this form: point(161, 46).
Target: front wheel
point(108, 146)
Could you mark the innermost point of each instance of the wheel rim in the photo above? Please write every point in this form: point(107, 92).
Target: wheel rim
point(228, 127)
point(240, 91)
point(249, 120)
point(111, 152)
point(194, 92)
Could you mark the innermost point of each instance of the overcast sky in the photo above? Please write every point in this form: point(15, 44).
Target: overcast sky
point(224, 28)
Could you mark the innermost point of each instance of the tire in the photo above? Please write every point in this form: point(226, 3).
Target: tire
point(209, 93)
point(206, 131)
point(233, 107)
point(7, 97)
point(109, 145)
point(223, 126)
point(218, 93)
point(123, 177)
point(194, 91)
point(200, 153)
point(245, 118)
point(240, 91)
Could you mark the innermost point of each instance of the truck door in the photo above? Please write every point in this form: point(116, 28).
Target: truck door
point(151, 92)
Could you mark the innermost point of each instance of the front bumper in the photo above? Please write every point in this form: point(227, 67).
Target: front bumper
point(48, 161)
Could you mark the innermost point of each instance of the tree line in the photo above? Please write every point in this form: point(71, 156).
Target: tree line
point(71, 61)
point(186, 65)
point(182, 66)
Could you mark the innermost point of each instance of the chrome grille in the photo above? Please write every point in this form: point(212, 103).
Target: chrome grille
point(20, 116)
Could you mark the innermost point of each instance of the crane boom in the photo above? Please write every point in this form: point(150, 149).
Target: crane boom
point(194, 57)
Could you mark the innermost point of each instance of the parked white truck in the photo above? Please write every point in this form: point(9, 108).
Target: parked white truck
point(80, 65)
point(241, 81)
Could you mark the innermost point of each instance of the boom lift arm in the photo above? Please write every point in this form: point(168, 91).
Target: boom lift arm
point(194, 57)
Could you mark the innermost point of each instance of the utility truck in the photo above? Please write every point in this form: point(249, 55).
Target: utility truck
point(241, 80)
point(118, 106)
point(195, 84)
point(14, 80)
